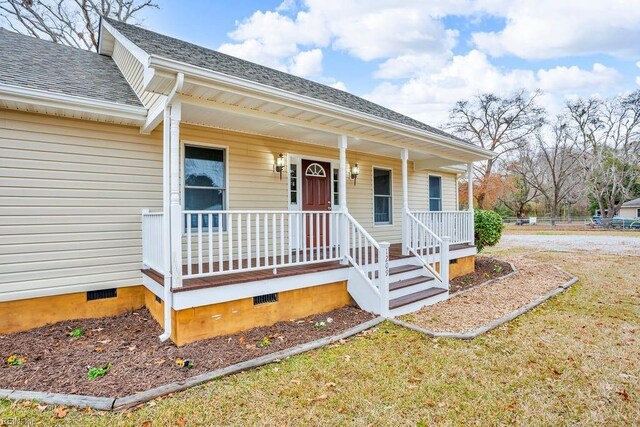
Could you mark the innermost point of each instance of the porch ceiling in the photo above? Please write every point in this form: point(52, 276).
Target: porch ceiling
point(226, 109)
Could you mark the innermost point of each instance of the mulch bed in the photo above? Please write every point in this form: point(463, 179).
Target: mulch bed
point(487, 268)
point(483, 304)
point(56, 362)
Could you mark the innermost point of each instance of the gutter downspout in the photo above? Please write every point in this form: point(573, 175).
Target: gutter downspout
point(166, 220)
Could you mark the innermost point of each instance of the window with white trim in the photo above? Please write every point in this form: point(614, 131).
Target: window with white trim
point(382, 206)
point(435, 193)
point(638, 213)
point(204, 181)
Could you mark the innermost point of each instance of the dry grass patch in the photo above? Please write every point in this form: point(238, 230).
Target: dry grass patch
point(575, 360)
point(564, 229)
point(489, 302)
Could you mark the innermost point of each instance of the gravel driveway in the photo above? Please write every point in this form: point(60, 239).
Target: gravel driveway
point(604, 244)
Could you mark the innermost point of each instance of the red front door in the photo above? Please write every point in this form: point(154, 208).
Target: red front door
point(316, 196)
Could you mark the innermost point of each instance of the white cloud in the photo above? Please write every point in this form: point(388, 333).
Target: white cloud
point(307, 63)
point(401, 33)
point(540, 29)
point(571, 79)
point(253, 50)
point(638, 78)
point(414, 50)
point(428, 97)
point(374, 29)
point(339, 85)
point(273, 39)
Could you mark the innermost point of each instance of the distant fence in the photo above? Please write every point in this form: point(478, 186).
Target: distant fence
point(547, 220)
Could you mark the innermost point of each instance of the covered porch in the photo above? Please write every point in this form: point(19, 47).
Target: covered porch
point(303, 191)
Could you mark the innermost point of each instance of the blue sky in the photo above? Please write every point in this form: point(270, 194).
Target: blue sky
point(420, 56)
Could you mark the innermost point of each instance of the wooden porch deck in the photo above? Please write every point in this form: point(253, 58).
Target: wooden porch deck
point(395, 252)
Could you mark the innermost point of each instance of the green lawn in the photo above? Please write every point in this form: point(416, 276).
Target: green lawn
point(574, 360)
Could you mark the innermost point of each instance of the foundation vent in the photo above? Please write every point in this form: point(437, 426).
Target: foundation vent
point(102, 294)
point(453, 261)
point(264, 299)
point(158, 299)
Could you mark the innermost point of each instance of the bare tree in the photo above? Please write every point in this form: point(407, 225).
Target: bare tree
point(552, 166)
point(496, 123)
point(518, 189)
point(70, 22)
point(609, 133)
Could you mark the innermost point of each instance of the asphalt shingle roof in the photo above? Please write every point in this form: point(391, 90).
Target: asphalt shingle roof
point(631, 203)
point(179, 50)
point(39, 64)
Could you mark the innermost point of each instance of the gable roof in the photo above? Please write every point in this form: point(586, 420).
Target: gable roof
point(632, 203)
point(156, 44)
point(33, 63)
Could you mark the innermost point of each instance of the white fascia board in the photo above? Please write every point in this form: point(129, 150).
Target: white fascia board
point(70, 102)
point(326, 107)
point(154, 117)
point(136, 51)
point(215, 295)
point(462, 253)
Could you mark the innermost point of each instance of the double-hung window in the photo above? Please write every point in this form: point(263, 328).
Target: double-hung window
point(435, 193)
point(204, 182)
point(382, 206)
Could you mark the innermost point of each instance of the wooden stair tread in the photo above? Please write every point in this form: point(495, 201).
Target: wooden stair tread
point(418, 296)
point(409, 282)
point(403, 269)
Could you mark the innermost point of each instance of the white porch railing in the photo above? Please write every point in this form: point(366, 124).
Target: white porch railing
point(369, 258)
point(220, 242)
point(430, 249)
point(457, 225)
point(152, 240)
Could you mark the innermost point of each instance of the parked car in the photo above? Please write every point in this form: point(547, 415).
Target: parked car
point(597, 221)
point(625, 223)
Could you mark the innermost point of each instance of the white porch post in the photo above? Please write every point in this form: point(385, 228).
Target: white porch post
point(176, 208)
point(405, 200)
point(470, 197)
point(166, 194)
point(166, 222)
point(342, 190)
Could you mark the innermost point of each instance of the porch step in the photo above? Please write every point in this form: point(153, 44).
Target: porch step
point(419, 280)
point(403, 269)
point(415, 297)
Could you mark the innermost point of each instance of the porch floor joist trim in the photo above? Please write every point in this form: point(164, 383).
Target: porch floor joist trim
point(231, 278)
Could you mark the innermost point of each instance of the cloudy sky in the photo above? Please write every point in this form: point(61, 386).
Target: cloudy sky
point(420, 56)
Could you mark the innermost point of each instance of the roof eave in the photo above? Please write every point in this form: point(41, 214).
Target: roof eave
point(69, 102)
point(169, 65)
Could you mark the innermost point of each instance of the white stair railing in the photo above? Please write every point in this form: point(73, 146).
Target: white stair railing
point(152, 241)
point(369, 258)
point(221, 242)
point(430, 249)
point(458, 225)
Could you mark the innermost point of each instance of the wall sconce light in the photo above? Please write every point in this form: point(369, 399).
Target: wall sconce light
point(355, 171)
point(280, 163)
